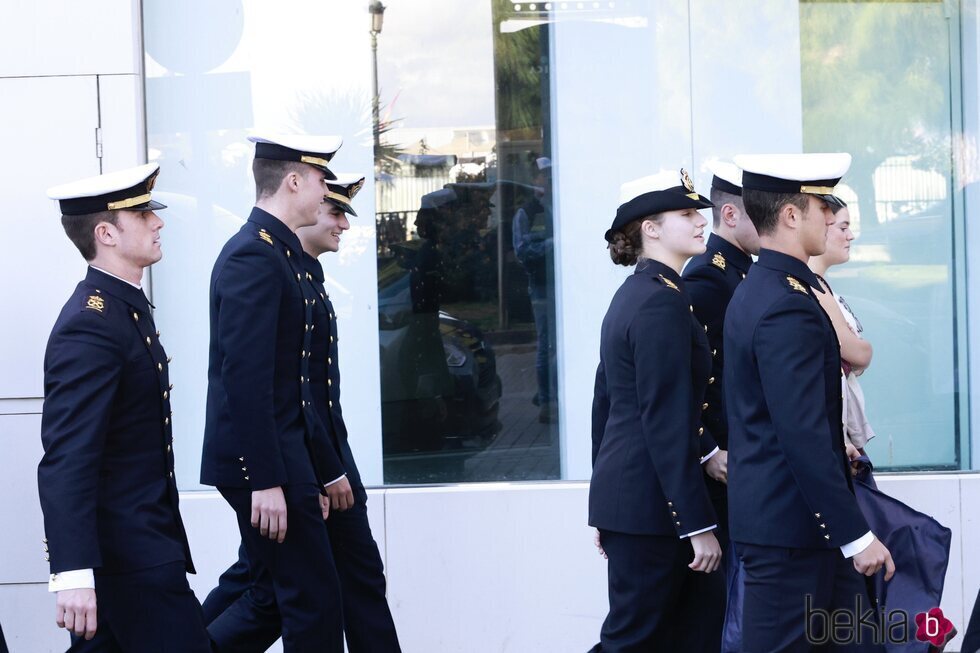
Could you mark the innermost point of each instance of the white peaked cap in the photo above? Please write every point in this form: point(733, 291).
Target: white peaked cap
point(815, 173)
point(299, 142)
point(114, 191)
point(102, 184)
point(726, 171)
point(660, 181)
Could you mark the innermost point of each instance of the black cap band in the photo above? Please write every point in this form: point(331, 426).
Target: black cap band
point(765, 183)
point(725, 186)
point(134, 198)
point(281, 153)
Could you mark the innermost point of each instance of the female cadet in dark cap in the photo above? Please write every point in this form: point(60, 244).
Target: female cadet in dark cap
point(648, 498)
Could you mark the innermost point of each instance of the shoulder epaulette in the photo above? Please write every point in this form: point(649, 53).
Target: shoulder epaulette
point(795, 284)
point(667, 282)
point(265, 237)
point(718, 260)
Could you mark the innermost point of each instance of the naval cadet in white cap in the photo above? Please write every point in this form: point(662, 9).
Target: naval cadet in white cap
point(647, 497)
point(114, 538)
point(711, 278)
point(265, 448)
point(800, 533)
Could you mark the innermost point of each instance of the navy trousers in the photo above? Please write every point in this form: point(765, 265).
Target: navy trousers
point(151, 610)
point(296, 578)
point(791, 596)
point(367, 620)
point(656, 603)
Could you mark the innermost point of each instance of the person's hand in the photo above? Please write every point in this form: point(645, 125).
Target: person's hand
point(853, 454)
point(269, 513)
point(717, 467)
point(869, 561)
point(340, 494)
point(76, 612)
point(707, 552)
point(324, 506)
point(598, 544)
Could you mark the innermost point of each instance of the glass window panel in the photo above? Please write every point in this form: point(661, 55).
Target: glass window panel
point(253, 64)
point(466, 277)
point(877, 82)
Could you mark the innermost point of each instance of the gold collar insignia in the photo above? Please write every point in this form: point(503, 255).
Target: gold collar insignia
point(669, 283)
point(795, 284)
point(718, 260)
point(95, 303)
point(265, 237)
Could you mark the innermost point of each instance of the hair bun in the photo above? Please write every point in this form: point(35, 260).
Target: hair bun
point(621, 250)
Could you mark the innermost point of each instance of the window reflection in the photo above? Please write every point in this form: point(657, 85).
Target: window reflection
point(876, 83)
point(465, 236)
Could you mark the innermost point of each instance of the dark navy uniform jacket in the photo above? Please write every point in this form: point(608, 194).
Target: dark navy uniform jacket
point(325, 372)
point(262, 429)
point(106, 479)
point(711, 279)
point(789, 483)
point(654, 364)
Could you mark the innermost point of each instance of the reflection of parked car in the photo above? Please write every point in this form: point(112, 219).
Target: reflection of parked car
point(439, 382)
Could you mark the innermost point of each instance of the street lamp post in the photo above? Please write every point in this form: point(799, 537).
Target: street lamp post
point(377, 11)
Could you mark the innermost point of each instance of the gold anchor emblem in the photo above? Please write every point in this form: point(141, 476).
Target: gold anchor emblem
point(355, 188)
point(689, 185)
point(95, 303)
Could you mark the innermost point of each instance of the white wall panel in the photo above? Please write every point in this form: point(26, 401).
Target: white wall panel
point(969, 531)
point(27, 612)
point(54, 37)
point(22, 559)
point(494, 568)
point(620, 109)
point(121, 110)
point(50, 124)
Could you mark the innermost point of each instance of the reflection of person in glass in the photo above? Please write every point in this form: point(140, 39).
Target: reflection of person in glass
point(533, 240)
point(648, 498)
point(424, 361)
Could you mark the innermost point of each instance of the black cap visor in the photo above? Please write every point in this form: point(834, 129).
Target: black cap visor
point(346, 208)
point(654, 202)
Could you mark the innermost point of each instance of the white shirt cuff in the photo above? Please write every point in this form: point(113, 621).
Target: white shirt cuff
point(703, 530)
point(851, 549)
point(708, 457)
point(76, 579)
point(334, 481)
